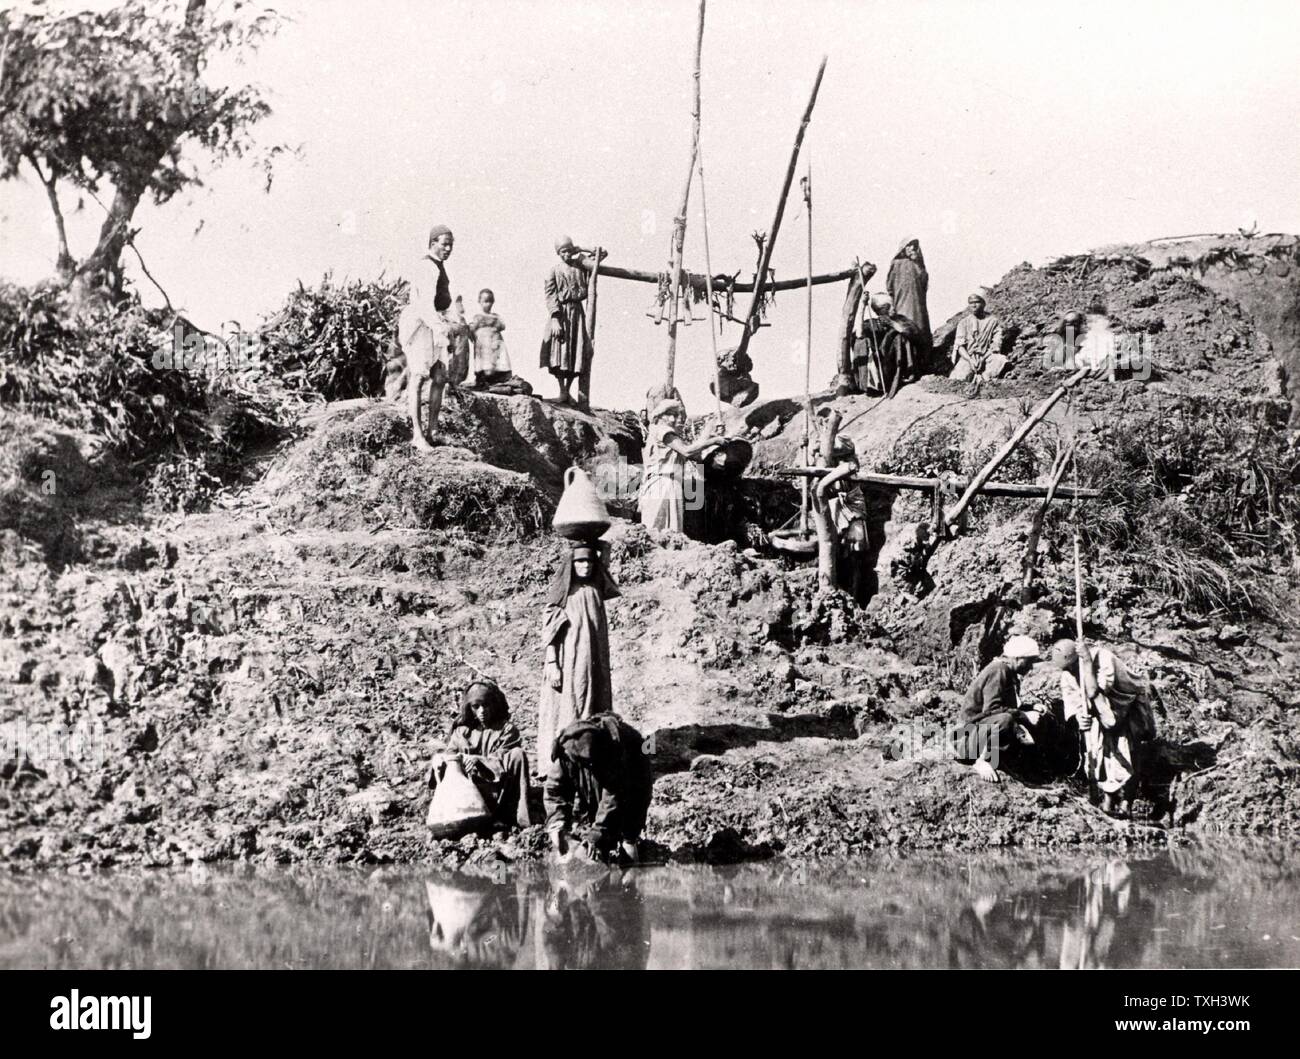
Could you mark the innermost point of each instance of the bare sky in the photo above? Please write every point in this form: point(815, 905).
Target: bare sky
point(996, 132)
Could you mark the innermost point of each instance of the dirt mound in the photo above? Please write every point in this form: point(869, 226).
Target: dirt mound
point(1169, 330)
point(497, 473)
point(1261, 273)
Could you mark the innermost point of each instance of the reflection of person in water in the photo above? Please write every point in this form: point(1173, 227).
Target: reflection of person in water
point(1108, 900)
point(593, 923)
point(477, 922)
point(993, 932)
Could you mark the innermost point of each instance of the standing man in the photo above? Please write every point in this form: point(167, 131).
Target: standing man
point(1113, 711)
point(977, 347)
point(424, 332)
point(566, 346)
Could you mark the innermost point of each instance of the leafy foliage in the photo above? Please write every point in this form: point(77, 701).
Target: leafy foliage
point(333, 340)
point(96, 371)
point(1198, 502)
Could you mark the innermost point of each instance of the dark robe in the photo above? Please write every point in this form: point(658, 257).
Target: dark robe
point(575, 623)
point(908, 284)
point(599, 782)
point(566, 295)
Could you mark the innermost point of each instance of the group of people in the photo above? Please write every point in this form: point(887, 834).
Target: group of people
point(596, 776)
point(893, 341)
point(1105, 725)
point(437, 344)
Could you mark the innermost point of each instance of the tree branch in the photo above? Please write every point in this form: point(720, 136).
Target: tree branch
point(65, 263)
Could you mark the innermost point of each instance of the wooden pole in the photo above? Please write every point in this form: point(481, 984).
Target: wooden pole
point(1029, 565)
point(760, 279)
point(807, 354)
point(902, 481)
point(584, 377)
point(708, 286)
point(1000, 456)
point(679, 222)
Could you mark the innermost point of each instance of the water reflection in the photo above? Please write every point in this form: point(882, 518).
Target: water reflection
point(1191, 907)
point(585, 922)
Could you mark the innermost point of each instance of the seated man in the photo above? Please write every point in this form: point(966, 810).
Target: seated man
point(977, 345)
point(1113, 712)
point(597, 792)
point(885, 355)
point(491, 751)
point(993, 724)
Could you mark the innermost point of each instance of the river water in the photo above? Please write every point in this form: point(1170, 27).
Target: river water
point(1191, 907)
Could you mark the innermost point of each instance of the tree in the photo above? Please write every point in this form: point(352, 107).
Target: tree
point(108, 102)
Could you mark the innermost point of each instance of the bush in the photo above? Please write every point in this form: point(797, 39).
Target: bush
point(332, 341)
point(105, 371)
point(1199, 503)
point(96, 372)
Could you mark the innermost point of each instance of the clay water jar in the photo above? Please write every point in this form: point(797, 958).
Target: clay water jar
point(581, 514)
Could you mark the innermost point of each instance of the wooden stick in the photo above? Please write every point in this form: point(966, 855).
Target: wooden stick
point(1078, 589)
point(1022, 431)
point(760, 277)
point(584, 377)
point(679, 222)
point(708, 287)
point(1029, 565)
point(901, 481)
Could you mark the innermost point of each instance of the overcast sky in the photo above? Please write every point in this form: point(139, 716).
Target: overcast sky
point(996, 132)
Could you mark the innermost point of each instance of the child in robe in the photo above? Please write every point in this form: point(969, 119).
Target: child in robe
point(491, 360)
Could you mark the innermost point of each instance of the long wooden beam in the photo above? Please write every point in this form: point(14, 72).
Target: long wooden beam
point(723, 282)
point(901, 481)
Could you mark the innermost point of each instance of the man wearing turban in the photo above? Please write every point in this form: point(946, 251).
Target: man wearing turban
point(977, 345)
point(664, 484)
point(566, 346)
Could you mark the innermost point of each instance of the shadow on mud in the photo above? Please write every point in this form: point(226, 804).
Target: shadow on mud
point(676, 748)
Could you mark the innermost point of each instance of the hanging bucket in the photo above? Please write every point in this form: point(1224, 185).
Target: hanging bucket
point(727, 463)
point(581, 514)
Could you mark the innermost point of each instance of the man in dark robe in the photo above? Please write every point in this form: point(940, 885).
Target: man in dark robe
point(886, 354)
point(575, 681)
point(597, 789)
point(566, 347)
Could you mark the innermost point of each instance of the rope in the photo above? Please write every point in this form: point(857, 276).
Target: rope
point(708, 281)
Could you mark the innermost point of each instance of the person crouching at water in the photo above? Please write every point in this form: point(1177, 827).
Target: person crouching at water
point(491, 751)
point(1113, 712)
point(662, 500)
point(597, 790)
point(575, 677)
point(993, 724)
